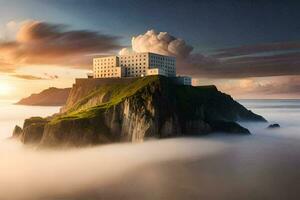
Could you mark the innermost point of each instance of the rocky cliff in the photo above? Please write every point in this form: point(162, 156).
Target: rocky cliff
point(49, 97)
point(149, 107)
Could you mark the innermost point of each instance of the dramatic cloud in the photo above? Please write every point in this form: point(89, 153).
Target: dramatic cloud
point(166, 44)
point(161, 43)
point(223, 64)
point(53, 44)
point(44, 43)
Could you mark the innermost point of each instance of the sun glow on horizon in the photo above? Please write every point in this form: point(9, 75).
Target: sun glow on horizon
point(5, 89)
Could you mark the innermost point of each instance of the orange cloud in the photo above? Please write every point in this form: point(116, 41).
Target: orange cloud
point(44, 43)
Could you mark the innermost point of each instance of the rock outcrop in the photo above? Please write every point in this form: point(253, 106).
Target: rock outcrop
point(49, 97)
point(142, 108)
point(17, 132)
point(33, 130)
point(273, 126)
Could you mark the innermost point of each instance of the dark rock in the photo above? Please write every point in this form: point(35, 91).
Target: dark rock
point(271, 126)
point(34, 120)
point(80, 132)
point(17, 132)
point(228, 127)
point(33, 130)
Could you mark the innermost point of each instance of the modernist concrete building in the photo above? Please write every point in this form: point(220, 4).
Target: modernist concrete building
point(134, 65)
point(107, 67)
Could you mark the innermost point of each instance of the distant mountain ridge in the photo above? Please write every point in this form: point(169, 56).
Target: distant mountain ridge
point(50, 97)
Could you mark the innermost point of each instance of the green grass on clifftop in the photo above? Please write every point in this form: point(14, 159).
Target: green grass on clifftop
point(116, 94)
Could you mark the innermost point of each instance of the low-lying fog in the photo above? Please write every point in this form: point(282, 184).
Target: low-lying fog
point(264, 165)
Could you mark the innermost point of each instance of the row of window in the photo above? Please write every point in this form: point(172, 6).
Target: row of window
point(97, 68)
point(137, 56)
point(132, 68)
point(135, 72)
point(106, 67)
point(161, 63)
point(128, 65)
point(132, 64)
point(104, 63)
point(104, 59)
point(104, 71)
point(133, 56)
point(109, 75)
point(161, 58)
point(132, 60)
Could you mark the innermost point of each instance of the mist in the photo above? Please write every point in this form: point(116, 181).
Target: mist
point(36, 174)
point(264, 165)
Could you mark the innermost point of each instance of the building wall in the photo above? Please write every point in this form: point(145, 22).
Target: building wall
point(107, 67)
point(134, 65)
point(165, 64)
point(156, 71)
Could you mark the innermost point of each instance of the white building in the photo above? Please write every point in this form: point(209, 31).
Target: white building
point(107, 67)
point(134, 65)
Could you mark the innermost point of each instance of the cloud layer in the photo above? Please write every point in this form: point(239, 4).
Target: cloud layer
point(44, 43)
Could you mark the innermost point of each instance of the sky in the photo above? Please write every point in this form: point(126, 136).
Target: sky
point(249, 49)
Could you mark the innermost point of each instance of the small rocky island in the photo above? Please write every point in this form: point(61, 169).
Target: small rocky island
point(102, 111)
point(49, 97)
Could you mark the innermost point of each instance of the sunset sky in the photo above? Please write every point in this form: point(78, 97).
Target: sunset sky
point(249, 49)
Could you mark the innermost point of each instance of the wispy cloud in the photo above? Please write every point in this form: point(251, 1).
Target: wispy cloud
point(32, 77)
point(27, 77)
point(257, 48)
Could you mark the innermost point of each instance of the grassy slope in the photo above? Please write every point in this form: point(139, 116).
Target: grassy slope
point(117, 92)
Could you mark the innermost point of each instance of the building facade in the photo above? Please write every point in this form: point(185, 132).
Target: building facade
point(134, 65)
point(107, 67)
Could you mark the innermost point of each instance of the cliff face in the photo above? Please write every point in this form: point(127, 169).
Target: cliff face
point(144, 107)
point(49, 97)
